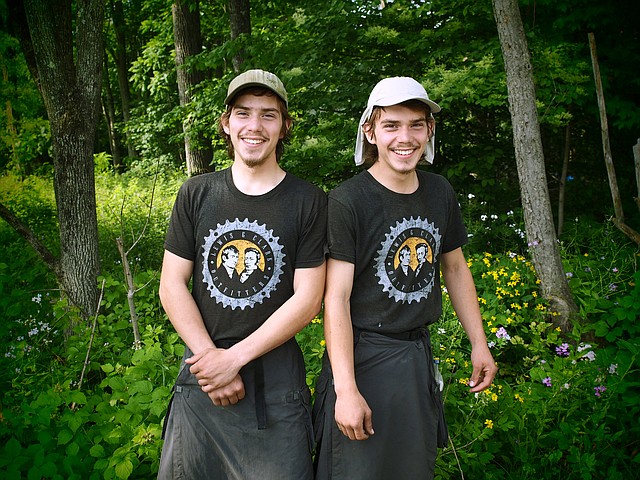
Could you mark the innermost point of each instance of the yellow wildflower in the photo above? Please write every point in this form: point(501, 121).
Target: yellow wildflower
point(488, 423)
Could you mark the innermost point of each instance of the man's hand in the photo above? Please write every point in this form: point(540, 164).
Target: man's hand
point(353, 416)
point(214, 368)
point(484, 369)
point(229, 394)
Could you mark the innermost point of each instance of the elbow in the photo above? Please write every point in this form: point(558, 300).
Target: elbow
point(164, 292)
point(315, 307)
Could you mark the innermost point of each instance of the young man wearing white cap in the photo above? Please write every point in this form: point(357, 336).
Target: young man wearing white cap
point(391, 230)
point(241, 406)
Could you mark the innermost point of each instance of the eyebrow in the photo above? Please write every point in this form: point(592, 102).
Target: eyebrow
point(243, 107)
point(391, 121)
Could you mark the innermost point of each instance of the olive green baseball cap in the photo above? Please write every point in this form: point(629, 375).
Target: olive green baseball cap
point(256, 78)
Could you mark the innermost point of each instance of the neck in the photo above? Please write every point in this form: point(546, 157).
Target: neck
point(256, 180)
point(398, 182)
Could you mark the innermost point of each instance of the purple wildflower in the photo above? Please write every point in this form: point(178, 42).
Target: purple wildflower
point(502, 333)
point(546, 381)
point(599, 390)
point(563, 350)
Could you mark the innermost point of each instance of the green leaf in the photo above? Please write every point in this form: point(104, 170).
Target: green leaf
point(72, 449)
point(124, 469)
point(12, 448)
point(97, 451)
point(107, 368)
point(65, 436)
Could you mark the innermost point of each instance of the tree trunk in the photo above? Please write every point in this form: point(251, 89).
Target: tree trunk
point(71, 93)
point(604, 130)
point(110, 119)
point(188, 42)
point(530, 163)
point(240, 19)
point(122, 65)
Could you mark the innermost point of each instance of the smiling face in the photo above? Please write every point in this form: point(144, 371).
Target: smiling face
point(255, 126)
point(400, 134)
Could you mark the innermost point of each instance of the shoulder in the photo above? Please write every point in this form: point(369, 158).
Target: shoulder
point(351, 187)
point(204, 185)
point(303, 187)
point(433, 178)
point(203, 180)
point(435, 182)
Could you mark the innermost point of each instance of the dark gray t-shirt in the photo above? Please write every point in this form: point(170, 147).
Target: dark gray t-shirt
point(245, 248)
point(395, 242)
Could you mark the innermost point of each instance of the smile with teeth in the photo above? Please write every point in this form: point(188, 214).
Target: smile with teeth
point(253, 141)
point(404, 152)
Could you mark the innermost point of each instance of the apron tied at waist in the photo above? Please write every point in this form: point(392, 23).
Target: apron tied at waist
point(436, 392)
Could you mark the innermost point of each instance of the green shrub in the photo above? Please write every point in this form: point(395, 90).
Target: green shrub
point(560, 407)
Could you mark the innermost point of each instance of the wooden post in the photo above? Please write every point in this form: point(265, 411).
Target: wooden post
point(604, 128)
point(636, 158)
point(563, 177)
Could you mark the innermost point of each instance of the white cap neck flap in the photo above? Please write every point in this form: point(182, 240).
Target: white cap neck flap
point(392, 91)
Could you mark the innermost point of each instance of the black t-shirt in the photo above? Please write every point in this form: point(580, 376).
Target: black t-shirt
point(245, 248)
point(395, 242)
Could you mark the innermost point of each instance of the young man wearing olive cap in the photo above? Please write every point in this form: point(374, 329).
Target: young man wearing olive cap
point(392, 229)
point(241, 404)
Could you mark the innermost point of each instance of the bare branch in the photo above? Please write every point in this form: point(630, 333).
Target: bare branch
point(25, 232)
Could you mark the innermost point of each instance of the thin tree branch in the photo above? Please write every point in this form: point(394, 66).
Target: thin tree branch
point(25, 232)
point(93, 333)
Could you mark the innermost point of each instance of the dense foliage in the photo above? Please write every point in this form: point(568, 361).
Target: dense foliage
point(93, 406)
point(331, 53)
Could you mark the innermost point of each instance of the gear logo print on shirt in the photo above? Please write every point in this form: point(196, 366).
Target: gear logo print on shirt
point(405, 265)
point(242, 263)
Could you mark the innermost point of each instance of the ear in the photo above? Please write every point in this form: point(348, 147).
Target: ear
point(287, 127)
point(431, 128)
point(368, 133)
point(224, 121)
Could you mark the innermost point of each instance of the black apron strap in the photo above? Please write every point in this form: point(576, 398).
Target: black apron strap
point(255, 368)
point(166, 417)
point(261, 403)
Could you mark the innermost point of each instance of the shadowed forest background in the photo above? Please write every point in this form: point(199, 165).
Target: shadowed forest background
point(109, 105)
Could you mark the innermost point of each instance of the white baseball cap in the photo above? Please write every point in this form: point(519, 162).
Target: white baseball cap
point(392, 91)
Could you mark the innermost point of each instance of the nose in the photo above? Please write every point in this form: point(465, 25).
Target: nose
point(404, 134)
point(255, 123)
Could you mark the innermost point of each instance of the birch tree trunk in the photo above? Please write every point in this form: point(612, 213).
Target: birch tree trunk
point(69, 81)
point(529, 155)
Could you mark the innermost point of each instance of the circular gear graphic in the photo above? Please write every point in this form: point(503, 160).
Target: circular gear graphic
point(405, 264)
point(232, 237)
